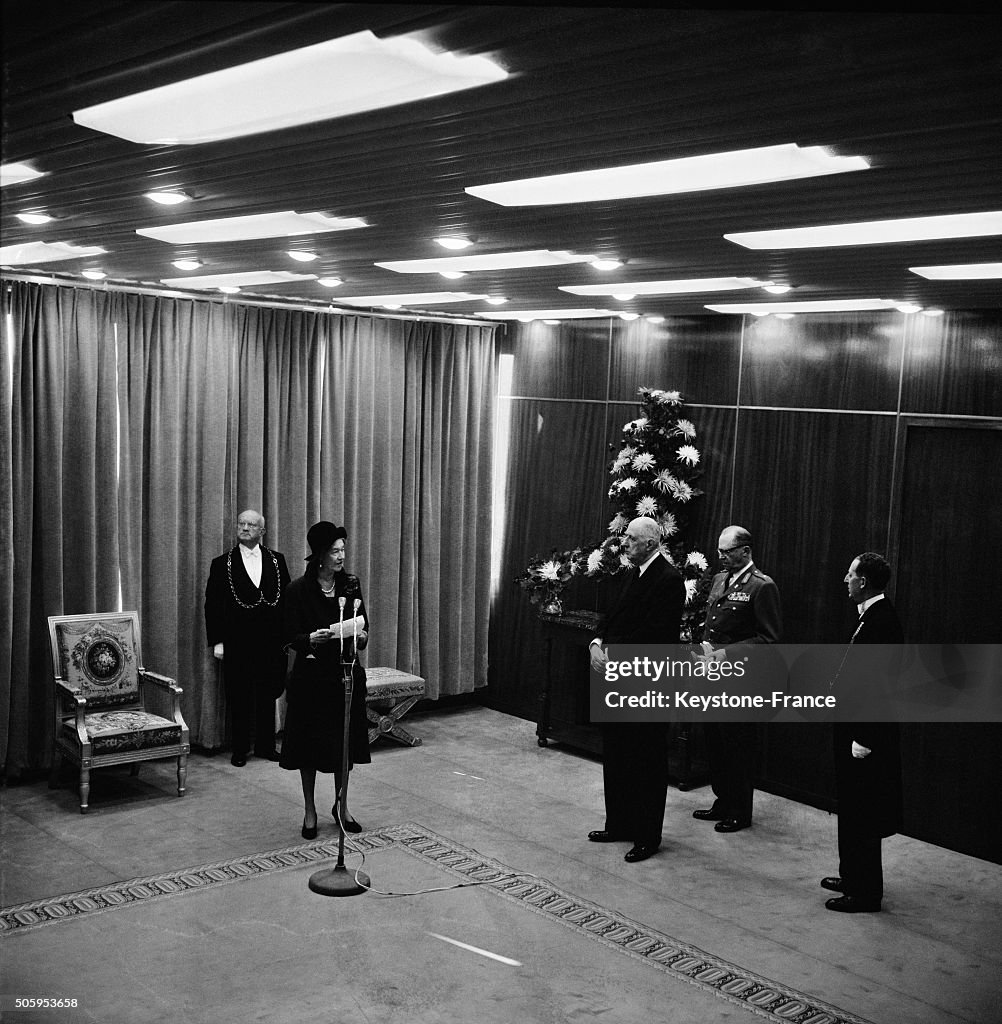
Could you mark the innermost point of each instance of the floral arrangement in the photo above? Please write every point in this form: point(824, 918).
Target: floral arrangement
point(654, 472)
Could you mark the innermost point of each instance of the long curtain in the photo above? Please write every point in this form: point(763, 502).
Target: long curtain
point(139, 426)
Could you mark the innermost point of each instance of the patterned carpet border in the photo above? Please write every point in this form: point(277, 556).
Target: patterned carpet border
point(765, 998)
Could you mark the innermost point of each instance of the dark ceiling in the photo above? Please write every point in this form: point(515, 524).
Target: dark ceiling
point(919, 95)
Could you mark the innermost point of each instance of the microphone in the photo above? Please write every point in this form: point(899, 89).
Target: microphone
point(340, 623)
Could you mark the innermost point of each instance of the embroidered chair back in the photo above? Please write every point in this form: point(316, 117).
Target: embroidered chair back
point(98, 654)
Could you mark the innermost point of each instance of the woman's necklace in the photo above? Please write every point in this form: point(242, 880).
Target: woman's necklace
point(327, 591)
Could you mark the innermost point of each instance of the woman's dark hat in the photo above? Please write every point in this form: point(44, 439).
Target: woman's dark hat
point(321, 536)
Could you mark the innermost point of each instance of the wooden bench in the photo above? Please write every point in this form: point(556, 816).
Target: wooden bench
point(390, 695)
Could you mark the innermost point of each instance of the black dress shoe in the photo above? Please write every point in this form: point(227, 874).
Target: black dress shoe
point(349, 826)
point(601, 836)
point(833, 883)
point(308, 833)
point(238, 760)
point(731, 825)
point(640, 852)
point(710, 814)
point(852, 905)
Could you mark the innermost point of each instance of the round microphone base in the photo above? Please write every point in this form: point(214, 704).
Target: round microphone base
point(338, 881)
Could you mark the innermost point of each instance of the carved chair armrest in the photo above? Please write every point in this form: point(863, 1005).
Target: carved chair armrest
point(169, 687)
point(72, 695)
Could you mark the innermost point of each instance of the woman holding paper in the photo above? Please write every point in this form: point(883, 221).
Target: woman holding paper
point(326, 625)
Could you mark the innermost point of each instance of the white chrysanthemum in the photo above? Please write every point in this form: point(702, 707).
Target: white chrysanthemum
point(594, 561)
point(647, 506)
point(624, 561)
point(640, 425)
point(690, 590)
point(668, 524)
point(687, 428)
point(628, 484)
point(550, 570)
point(627, 452)
point(681, 491)
point(688, 454)
point(664, 481)
point(672, 398)
point(643, 461)
point(618, 523)
point(698, 559)
point(620, 463)
point(613, 490)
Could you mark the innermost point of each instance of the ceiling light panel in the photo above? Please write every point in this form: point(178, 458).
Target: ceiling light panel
point(485, 262)
point(547, 314)
point(806, 306)
point(261, 225)
point(332, 79)
point(236, 280)
point(668, 177)
point(961, 272)
point(46, 252)
point(874, 232)
point(14, 174)
point(701, 284)
point(413, 299)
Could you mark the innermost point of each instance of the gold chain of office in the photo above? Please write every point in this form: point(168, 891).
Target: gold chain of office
point(261, 599)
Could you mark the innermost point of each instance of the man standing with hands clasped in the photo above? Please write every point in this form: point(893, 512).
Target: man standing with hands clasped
point(243, 626)
point(635, 754)
point(867, 754)
point(743, 608)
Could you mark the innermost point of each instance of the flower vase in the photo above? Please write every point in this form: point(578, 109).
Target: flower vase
point(553, 605)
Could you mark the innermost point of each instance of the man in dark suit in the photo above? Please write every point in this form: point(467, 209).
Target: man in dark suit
point(743, 609)
point(635, 754)
point(867, 754)
point(243, 626)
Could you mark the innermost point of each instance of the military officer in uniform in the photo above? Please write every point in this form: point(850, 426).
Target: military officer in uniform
point(743, 609)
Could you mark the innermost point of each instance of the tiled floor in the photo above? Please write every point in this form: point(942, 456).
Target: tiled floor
point(480, 782)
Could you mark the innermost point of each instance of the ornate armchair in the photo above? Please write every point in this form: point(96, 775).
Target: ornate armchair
point(106, 703)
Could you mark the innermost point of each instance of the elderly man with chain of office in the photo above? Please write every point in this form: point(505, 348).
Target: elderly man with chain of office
point(743, 609)
point(243, 626)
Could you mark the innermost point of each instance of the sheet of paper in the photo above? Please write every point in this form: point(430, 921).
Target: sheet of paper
point(348, 628)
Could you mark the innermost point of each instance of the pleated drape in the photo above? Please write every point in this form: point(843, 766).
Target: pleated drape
point(137, 429)
point(62, 480)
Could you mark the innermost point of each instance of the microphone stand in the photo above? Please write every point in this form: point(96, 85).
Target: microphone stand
point(337, 881)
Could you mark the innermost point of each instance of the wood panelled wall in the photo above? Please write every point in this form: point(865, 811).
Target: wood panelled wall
point(825, 436)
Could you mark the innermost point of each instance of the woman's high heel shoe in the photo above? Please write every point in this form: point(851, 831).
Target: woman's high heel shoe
point(349, 826)
point(308, 833)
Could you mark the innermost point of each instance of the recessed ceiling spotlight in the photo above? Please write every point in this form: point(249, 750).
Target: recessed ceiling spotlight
point(629, 316)
point(174, 198)
point(454, 242)
point(606, 264)
point(392, 305)
point(94, 275)
point(229, 289)
point(302, 257)
point(496, 300)
point(330, 282)
point(34, 218)
point(453, 274)
point(186, 264)
point(784, 316)
point(624, 296)
point(932, 312)
point(552, 323)
point(776, 289)
point(655, 319)
point(909, 307)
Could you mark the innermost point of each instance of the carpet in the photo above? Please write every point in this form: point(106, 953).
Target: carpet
point(343, 936)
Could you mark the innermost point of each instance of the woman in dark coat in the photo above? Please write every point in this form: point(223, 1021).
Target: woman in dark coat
point(314, 724)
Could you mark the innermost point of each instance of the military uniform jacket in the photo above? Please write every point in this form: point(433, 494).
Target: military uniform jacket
point(748, 611)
